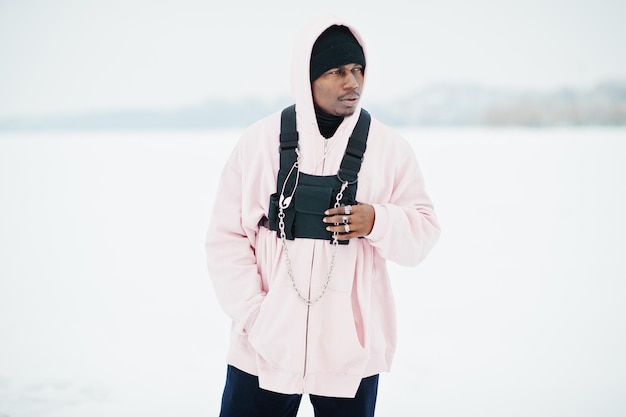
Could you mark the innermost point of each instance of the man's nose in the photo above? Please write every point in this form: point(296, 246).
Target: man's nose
point(350, 81)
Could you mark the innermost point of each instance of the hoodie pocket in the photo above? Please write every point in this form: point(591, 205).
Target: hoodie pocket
point(278, 333)
point(337, 342)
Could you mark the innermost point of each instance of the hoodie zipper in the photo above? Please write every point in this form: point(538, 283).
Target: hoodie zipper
point(308, 307)
point(306, 342)
point(306, 329)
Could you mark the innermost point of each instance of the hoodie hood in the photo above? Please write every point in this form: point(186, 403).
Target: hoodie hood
point(300, 72)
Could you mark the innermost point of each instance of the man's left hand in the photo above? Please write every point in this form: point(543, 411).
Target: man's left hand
point(350, 221)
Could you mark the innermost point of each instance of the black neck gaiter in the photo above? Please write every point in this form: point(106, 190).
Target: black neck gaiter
point(327, 123)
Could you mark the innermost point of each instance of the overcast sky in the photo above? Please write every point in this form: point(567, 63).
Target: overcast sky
point(66, 56)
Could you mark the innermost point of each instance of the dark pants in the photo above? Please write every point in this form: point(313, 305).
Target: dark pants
point(243, 398)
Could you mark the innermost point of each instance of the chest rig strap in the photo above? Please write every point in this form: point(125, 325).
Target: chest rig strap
point(288, 143)
point(352, 158)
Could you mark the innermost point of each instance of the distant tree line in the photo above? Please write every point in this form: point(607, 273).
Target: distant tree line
point(463, 105)
point(438, 105)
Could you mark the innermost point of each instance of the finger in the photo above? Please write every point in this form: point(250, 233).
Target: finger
point(334, 211)
point(337, 219)
point(340, 231)
point(347, 236)
point(341, 210)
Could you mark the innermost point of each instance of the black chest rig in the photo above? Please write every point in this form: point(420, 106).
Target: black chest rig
point(305, 197)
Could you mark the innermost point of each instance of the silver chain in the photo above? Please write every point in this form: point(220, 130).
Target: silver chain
point(335, 243)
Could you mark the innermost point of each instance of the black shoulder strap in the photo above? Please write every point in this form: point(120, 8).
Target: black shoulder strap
point(288, 137)
point(352, 159)
point(288, 142)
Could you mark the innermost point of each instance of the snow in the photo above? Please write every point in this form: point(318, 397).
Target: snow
point(106, 307)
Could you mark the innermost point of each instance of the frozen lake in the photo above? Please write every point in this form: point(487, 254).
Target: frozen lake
point(106, 308)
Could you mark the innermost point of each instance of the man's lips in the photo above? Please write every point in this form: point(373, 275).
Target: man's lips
point(349, 99)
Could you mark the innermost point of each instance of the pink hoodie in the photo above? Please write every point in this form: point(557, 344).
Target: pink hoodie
point(327, 348)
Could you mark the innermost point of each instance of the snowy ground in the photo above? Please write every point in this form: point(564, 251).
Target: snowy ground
point(106, 308)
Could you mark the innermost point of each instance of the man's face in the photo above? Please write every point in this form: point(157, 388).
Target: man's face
point(338, 90)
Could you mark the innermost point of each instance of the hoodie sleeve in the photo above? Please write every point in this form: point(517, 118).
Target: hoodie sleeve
point(405, 227)
point(230, 250)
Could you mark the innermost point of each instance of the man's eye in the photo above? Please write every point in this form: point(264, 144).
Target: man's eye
point(357, 69)
point(336, 72)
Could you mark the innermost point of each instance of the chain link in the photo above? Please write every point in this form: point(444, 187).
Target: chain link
point(335, 243)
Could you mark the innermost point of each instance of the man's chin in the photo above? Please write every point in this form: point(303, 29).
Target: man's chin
point(350, 108)
point(346, 112)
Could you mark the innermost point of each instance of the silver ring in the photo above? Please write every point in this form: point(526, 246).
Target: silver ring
point(345, 219)
point(347, 209)
point(347, 228)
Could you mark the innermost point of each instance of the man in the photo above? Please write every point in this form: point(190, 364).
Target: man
point(310, 313)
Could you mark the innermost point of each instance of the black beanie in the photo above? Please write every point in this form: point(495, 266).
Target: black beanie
point(336, 46)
